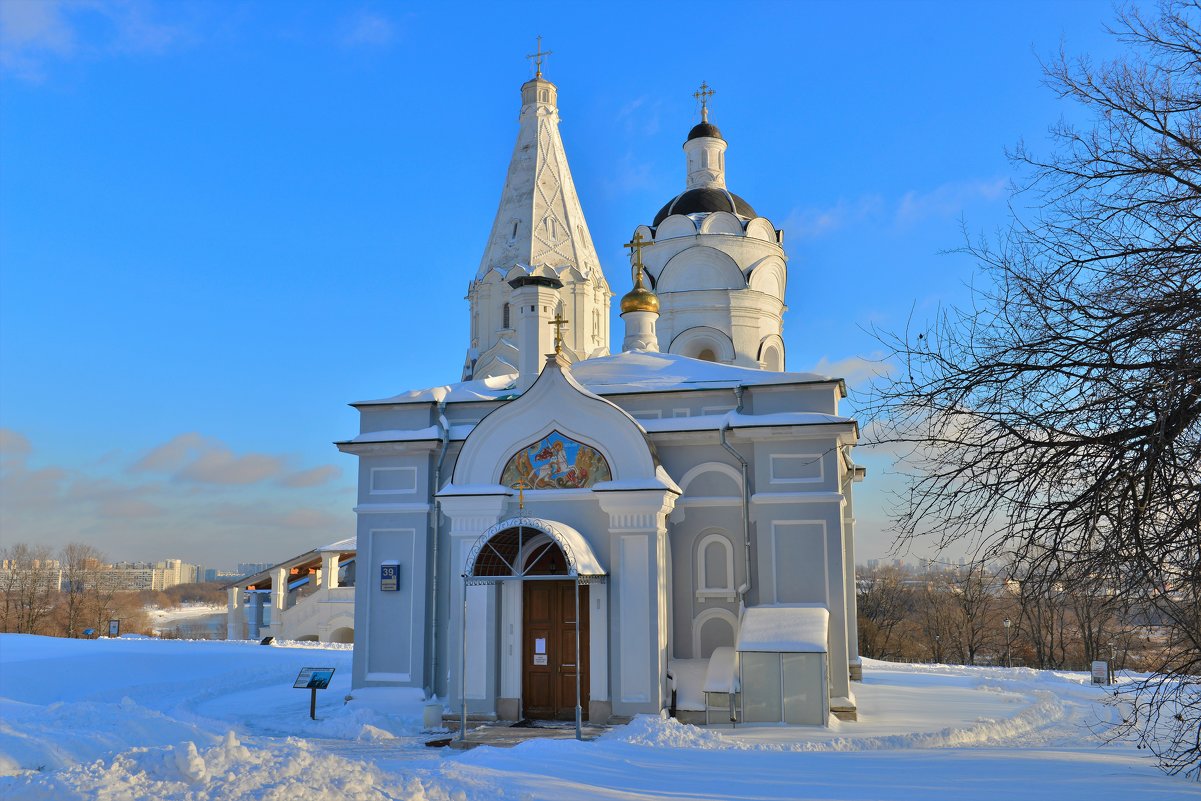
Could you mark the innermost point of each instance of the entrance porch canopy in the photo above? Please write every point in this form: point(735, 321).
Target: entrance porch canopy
point(502, 553)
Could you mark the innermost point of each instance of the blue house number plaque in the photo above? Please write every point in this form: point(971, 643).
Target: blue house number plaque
point(389, 578)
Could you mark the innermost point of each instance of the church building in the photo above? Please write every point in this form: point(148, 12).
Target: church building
point(568, 532)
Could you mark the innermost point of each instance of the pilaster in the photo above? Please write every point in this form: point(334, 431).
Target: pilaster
point(638, 597)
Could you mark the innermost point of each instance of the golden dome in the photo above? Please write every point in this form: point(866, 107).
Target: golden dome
point(640, 299)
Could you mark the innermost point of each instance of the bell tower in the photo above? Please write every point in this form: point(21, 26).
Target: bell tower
point(539, 233)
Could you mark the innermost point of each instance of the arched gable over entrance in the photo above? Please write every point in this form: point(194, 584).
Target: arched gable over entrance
point(555, 405)
point(502, 552)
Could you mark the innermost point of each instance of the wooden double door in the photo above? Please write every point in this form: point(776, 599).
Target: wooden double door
point(548, 658)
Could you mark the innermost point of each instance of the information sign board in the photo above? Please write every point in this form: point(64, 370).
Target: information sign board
point(1100, 672)
point(313, 678)
point(114, 628)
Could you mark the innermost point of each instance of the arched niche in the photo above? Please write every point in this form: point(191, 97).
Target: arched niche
point(710, 480)
point(771, 353)
point(761, 228)
point(770, 277)
point(675, 225)
point(703, 342)
point(722, 222)
point(712, 629)
point(700, 267)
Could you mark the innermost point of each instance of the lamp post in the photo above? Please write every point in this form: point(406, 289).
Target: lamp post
point(1008, 660)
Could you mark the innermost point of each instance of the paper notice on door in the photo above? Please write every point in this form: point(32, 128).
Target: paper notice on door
point(540, 645)
point(539, 659)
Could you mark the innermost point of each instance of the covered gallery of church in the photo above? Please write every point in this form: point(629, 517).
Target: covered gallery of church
point(561, 532)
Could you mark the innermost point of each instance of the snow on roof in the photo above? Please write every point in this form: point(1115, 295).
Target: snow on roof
point(347, 544)
point(661, 481)
point(457, 432)
point(721, 675)
point(644, 371)
point(483, 389)
point(785, 628)
point(712, 422)
point(633, 371)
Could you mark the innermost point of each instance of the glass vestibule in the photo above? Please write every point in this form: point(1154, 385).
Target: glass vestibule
point(783, 687)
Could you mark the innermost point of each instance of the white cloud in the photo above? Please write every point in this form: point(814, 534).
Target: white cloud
point(171, 455)
point(312, 478)
point(222, 466)
point(947, 200)
point(368, 29)
point(855, 370)
point(14, 446)
point(641, 115)
point(35, 32)
point(190, 497)
point(192, 457)
point(812, 223)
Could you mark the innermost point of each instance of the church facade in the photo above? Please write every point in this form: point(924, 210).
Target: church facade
point(559, 530)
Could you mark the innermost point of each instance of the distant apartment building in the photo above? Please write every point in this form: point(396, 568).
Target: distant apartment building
point(47, 572)
point(147, 576)
point(118, 577)
point(224, 576)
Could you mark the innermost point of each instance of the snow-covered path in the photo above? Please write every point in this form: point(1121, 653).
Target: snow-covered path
point(175, 720)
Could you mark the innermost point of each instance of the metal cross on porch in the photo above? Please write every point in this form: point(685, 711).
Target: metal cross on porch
point(521, 487)
point(558, 323)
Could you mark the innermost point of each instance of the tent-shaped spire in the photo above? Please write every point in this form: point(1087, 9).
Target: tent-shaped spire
point(539, 232)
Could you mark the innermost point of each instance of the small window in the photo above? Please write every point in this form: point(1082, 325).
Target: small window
point(707, 355)
point(504, 316)
point(513, 236)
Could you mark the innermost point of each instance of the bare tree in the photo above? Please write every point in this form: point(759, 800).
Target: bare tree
point(30, 583)
point(974, 597)
point(939, 616)
point(81, 565)
point(1056, 422)
point(883, 603)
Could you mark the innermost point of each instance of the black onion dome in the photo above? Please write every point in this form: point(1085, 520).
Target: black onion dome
point(704, 129)
point(703, 201)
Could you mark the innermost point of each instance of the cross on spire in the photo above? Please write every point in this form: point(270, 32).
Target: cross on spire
point(703, 94)
point(539, 57)
point(636, 247)
point(558, 323)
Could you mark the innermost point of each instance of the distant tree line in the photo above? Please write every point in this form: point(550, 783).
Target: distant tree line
point(64, 593)
point(957, 616)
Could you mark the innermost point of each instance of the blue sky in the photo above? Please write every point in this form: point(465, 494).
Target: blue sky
point(222, 222)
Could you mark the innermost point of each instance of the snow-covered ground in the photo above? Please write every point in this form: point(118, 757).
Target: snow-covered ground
point(137, 718)
point(189, 619)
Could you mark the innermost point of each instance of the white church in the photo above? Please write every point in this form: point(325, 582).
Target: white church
point(571, 533)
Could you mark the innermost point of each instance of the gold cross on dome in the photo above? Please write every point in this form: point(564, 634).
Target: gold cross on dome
point(636, 247)
point(558, 323)
point(539, 57)
point(703, 94)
